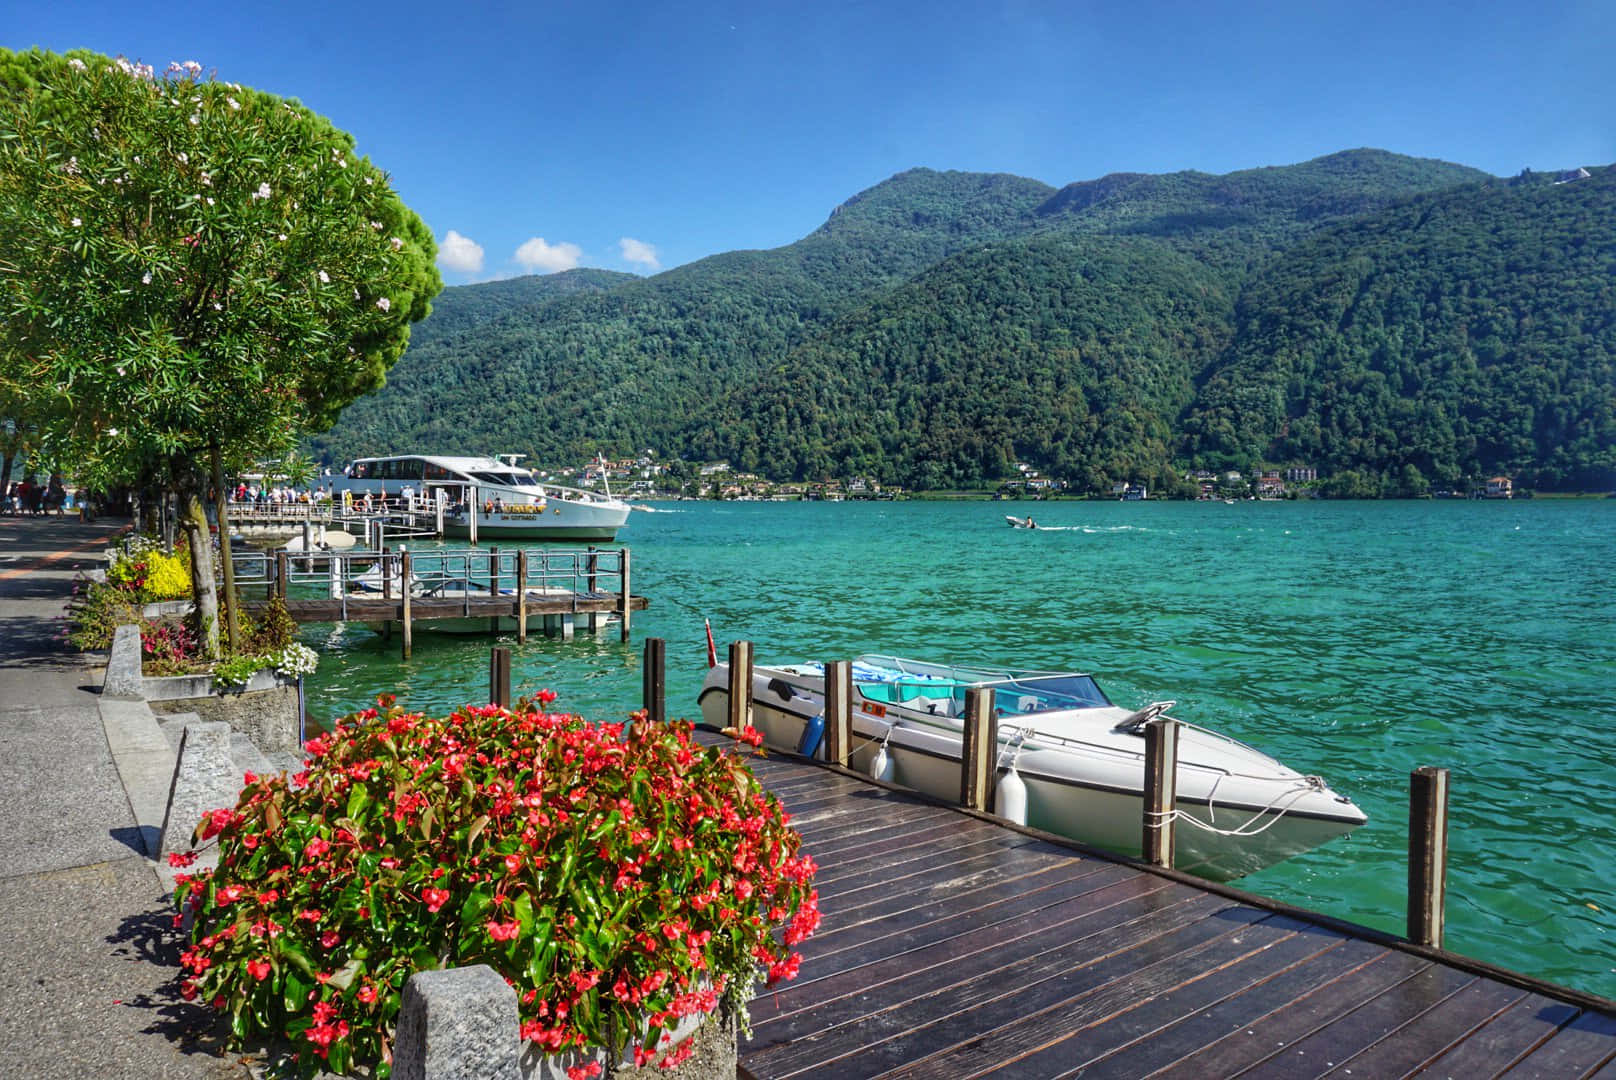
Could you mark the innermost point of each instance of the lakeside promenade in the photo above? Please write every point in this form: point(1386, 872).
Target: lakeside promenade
point(87, 953)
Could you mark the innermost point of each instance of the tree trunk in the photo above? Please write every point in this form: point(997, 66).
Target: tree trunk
point(195, 524)
point(232, 622)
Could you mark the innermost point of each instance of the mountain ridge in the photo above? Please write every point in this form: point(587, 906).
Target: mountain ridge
point(692, 361)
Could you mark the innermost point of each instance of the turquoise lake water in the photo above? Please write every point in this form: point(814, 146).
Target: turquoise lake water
point(1355, 640)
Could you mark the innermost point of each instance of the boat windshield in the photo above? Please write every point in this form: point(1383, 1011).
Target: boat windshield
point(1015, 693)
point(506, 477)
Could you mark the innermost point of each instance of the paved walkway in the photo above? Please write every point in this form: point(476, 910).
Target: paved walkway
point(87, 953)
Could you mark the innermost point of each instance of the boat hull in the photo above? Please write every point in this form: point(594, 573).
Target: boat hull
point(1094, 799)
point(559, 520)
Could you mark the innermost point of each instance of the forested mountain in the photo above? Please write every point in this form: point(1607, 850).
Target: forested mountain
point(1466, 332)
point(941, 326)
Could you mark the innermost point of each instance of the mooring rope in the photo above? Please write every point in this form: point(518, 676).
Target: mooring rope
point(1158, 818)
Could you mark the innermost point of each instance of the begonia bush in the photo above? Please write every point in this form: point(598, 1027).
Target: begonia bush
point(619, 876)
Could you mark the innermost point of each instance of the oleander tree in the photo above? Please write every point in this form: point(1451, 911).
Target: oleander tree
point(193, 274)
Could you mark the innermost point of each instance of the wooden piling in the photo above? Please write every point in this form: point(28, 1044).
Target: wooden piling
point(740, 685)
point(280, 574)
point(499, 677)
point(838, 711)
point(493, 586)
point(1161, 790)
point(655, 696)
point(624, 607)
point(472, 507)
point(979, 750)
point(591, 563)
point(1427, 855)
point(404, 570)
point(521, 597)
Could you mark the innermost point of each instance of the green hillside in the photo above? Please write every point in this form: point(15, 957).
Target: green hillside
point(1458, 335)
point(941, 326)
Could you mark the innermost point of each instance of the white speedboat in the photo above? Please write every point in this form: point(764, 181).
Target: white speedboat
point(1020, 523)
point(1079, 757)
point(506, 500)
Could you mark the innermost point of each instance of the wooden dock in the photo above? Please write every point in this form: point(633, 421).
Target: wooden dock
point(955, 945)
point(512, 590)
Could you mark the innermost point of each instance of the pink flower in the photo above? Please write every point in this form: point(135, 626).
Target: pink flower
point(435, 898)
point(258, 969)
point(506, 931)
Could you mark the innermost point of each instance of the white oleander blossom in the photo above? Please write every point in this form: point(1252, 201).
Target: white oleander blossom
point(233, 103)
point(385, 304)
point(398, 245)
point(77, 222)
point(325, 278)
point(76, 64)
point(145, 279)
point(262, 192)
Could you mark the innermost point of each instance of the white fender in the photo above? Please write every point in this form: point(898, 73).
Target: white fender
point(1010, 799)
point(881, 764)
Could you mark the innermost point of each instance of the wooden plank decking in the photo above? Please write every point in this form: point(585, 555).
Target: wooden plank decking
point(953, 946)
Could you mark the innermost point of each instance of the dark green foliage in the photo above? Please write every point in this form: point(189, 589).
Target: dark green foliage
point(1397, 323)
point(1456, 336)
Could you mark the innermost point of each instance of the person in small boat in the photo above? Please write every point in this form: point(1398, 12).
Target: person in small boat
point(1031, 524)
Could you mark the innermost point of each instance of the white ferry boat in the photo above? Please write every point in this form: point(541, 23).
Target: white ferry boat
point(506, 500)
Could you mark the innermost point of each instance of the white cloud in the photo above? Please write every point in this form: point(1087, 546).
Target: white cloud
point(536, 254)
point(638, 251)
point(460, 253)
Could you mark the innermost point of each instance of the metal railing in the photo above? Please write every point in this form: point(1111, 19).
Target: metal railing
point(464, 575)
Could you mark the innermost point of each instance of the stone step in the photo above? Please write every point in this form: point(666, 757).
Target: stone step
point(285, 761)
point(248, 758)
point(173, 726)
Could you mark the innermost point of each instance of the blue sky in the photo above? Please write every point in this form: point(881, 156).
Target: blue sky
point(639, 136)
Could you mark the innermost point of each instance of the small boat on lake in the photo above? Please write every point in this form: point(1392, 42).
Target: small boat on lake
point(506, 500)
point(1020, 523)
point(1079, 758)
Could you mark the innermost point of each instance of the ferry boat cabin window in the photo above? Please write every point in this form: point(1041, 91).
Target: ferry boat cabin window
point(437, 472)
point(364, 470)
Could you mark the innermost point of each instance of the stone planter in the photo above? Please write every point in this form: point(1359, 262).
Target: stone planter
point(266, 709)
point(462, 1022)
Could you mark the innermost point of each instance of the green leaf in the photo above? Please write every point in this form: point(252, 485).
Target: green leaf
point(295, 955)
point(477, 903)
point(344, 976)
point(294, 991)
